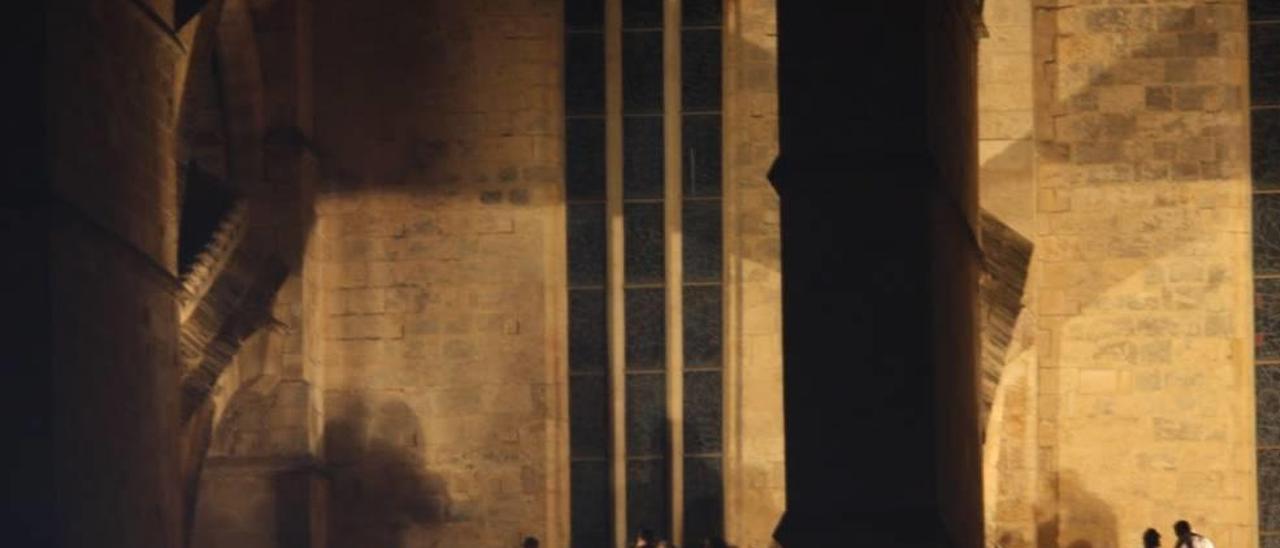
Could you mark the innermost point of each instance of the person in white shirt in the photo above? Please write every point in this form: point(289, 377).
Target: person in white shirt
point(1188, 538)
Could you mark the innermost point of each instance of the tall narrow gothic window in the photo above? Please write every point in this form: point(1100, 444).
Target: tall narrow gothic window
point(643, 186)
point(1264, 53)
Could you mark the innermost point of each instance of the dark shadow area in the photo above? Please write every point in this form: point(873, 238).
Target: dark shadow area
point(205, 203)
point(1085, 519)
point(379, 487)
point(877, 184)
point(295, 500)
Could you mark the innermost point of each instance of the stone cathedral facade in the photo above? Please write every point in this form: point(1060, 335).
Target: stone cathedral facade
point(1130, 144)
point(455, 273)
point(537, 293)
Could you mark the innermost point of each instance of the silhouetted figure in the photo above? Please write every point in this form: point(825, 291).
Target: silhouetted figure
point(1150, 539)
point(1188, 538)
point(645, 539)
point(529, 542)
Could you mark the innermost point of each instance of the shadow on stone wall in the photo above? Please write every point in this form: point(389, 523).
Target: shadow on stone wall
point(294, 498)
point(380, 487)
point(1078, 510)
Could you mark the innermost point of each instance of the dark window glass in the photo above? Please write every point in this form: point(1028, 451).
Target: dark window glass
point(1269, 489)
point(584, 14)
point(642, 72)
point(702, 412)
point(647, 496)
point(1264, 10)
point(702, 242)
point(1266, 148)
point(702, 327)
point(703, 499)
point(645, 243)
point(584, 74)
point(588, 416)
point(586, 244)
point(646, 328)
point(642, 163)
point(584, 158)
point(588, 337)
point(1266, 318)
point(1270, 541)
point(1264, 64)
point(1266, 234)
point(700, 69)
point(646, 414)
point(591, 504)
point(701, 156)
point(642, 14)
point(1268, 390)
point(701, 13)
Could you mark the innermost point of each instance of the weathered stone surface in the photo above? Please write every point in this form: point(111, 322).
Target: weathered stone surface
point(1137, 295)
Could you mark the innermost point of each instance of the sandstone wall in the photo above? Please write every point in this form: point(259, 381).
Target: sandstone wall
point(1006, 150)
point(757, 490)
point(1143, 398)
point(441, 239)
point(428, 306)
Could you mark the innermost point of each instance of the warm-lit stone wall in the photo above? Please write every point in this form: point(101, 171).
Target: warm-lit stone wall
point(442, 248)
point(414, 391)
point(756, 492)
point(1139, 383)
point(441, 233)
point(1006, 150)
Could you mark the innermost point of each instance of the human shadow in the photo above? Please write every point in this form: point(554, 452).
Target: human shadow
point(1082, 520)
point(379, 485)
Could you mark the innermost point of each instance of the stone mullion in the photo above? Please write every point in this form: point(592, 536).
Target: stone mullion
point(731, 333)
point(672, 159)
point(616, 266)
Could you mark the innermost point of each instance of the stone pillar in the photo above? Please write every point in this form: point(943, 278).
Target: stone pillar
point(876, 179)
point(89, 226)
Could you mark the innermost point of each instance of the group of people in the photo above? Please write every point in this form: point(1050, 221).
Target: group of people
point(1150, 539)
point(646, 539)
point(1186, 537)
